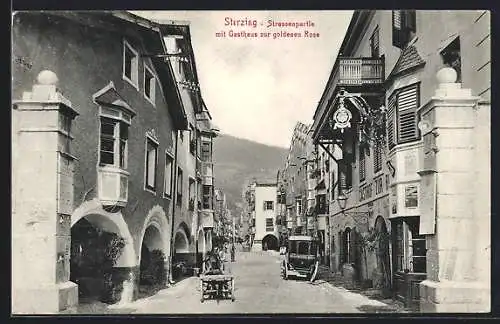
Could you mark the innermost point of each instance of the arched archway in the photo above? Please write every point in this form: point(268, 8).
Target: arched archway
point(382, 254)
point(101, 247)
point(270, 242)
point(181, 252)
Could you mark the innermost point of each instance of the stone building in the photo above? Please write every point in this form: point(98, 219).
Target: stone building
point(98, 142)
point(390, 123)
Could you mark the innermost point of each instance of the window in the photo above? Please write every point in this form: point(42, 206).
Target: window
point(402, 116)
point(451, 57)
point(130, 64)
point(321, 206)
point(409, 246)
point(399, 246)
point(168, 176)
point(192, 140)
point(179, 186)
point(332, 185)
point(374, 44)
point(269, 225)
point(298, 202)
point(149, 84)
point(345, 176)
point(348, 246)
point(377, 157)
point(151, 162)
point(206, 152)
point(113, 142)
point(362, 165)
point(207, 197)
point(411, 196)
point(403, 27)
point(192, 193)
point(268, 205)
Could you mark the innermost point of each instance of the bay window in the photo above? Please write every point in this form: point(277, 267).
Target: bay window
point(113, 138)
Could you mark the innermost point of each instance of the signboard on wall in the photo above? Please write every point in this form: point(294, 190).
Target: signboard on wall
point(427, 203)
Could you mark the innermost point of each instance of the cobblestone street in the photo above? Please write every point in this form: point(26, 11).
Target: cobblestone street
point(259, 289)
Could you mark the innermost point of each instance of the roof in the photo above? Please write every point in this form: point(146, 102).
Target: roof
point(301, 238)
point(408, 60)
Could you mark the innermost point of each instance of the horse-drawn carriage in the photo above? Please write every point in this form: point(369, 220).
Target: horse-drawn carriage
point(214, 283)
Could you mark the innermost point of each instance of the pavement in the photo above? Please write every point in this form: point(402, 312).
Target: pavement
point(259, 288)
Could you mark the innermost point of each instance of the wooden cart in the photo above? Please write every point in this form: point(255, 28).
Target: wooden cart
point(217, 287)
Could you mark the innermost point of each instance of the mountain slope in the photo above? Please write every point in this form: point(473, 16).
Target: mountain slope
point(237, 161)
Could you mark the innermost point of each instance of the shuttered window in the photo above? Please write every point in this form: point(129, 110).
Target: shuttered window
point(391, 121)
point(402, 116)
point(377, 158)
point(403, 22)
point(407, 103)
point(362, 165)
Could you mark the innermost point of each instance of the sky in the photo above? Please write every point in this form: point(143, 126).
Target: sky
point(258, 88)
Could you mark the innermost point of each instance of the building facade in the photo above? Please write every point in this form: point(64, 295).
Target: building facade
point(404, 85)
point(108, 112)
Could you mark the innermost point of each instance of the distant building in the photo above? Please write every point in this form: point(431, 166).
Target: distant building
point(266, 232)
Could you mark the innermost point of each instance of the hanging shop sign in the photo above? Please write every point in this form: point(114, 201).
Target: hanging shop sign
point(342, 118)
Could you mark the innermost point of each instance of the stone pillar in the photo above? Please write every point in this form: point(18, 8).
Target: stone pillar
point(454, 227)
point(42, 173)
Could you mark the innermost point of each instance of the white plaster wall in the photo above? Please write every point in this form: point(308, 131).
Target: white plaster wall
point(263, 194)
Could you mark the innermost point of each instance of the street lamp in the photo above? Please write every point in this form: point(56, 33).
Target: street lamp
point(342, 200)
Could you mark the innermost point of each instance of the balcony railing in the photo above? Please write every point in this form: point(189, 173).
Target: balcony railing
point(359, 71)
point(113, 186)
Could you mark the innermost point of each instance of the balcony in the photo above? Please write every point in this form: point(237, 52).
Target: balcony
point(363, 75)
point(359, 71)
point(112, 186)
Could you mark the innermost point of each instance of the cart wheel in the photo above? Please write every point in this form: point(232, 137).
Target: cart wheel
point(202, 300)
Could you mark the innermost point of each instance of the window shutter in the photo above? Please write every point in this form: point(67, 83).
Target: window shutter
point(391, 121)
point(362, 164)
point(264, 205)
point(407, 103)
point(397, 28)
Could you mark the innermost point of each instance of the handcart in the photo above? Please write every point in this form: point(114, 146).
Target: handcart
point(217, 287)
point(214, 283)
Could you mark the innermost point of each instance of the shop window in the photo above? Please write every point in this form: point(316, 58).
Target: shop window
point(409, 246)
point(404, 27)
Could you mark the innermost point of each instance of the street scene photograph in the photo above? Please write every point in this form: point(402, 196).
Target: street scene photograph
point(251, 162)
